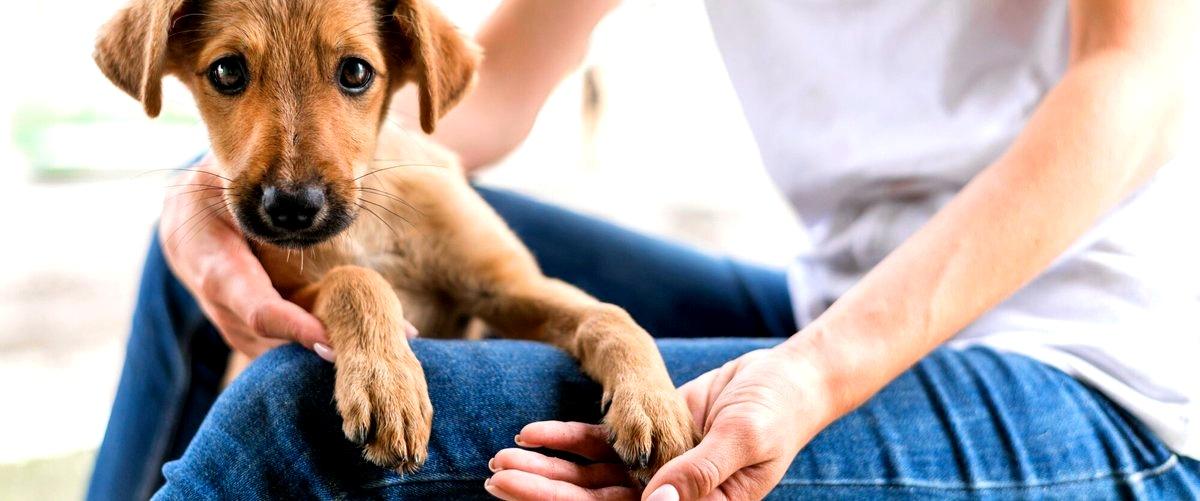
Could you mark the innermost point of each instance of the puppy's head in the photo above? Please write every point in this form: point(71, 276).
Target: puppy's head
point(293, 92)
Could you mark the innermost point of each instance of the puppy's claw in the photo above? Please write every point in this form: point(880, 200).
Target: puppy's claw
point(385, 409)
point(605, 404)
point(643, 460)
point(649, 426)
point(357, 436)
point(403, 465)
point(357, 424)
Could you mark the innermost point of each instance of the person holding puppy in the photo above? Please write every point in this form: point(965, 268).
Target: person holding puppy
point(991, 306)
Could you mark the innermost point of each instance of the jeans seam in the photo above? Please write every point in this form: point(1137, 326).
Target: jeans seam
point(1133, 478)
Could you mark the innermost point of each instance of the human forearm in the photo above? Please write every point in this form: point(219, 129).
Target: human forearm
point(529, 46)
point(1096, 137)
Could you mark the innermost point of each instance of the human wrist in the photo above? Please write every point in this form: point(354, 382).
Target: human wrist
point(821, 369)
point(816, 401)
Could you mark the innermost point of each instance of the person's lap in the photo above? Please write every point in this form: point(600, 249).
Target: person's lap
point(971, 423)
point(974, 423)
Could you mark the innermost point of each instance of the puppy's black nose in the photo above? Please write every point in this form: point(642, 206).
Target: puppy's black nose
point(292, 209)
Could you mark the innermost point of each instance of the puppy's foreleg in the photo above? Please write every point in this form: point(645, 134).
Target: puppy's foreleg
point(487, 272)
point(648, 421)
point(380, 386)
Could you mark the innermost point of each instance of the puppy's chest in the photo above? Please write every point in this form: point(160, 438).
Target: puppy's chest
point(292, 270)
point(398, 268)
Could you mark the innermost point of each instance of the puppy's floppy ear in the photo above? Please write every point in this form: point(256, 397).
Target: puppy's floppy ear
point(443, 61)
point(132, 49)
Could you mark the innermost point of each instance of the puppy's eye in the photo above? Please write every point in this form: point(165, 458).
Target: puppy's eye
point(228, 75)
point(355, 75)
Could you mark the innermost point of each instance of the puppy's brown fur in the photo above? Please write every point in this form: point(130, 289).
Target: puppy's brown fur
point(430, 252)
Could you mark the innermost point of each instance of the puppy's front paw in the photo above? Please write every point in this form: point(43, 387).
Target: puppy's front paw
point(385, 407)
point(648, 425)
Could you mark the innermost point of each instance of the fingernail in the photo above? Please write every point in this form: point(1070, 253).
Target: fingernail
point(492, 466)
point(664, 493)
point(517, 439)
point(411, 331)
point(491, 489)
point(324, 352)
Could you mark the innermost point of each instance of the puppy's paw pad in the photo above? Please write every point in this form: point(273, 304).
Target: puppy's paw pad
point(385, 408)
point(648, 427)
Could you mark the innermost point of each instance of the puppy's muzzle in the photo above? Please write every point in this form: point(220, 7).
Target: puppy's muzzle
point(292, 214)
point(292, 209)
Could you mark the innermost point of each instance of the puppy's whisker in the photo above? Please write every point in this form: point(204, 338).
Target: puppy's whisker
point(376, 171)
point(185, 16)
point(343, 33)
point(208, 211)
point(400, 160)
point(193, 216)
point(184, 185)
point(198, 200)
point(347, 38)
point(184, 32)
point(379, 192)
point(406, 162)
point(200, 225)
point(197, 41)
point(208, 188)
point(202, 171)
point(356, 25)
point(203, 198)
point(191, 220)
point(243, 32)
point(381, 220)
point(206, 197)
point(390, 211)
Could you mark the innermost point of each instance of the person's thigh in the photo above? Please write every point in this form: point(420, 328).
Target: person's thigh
point(671, 289)
point(982, 424)
point(959, 425)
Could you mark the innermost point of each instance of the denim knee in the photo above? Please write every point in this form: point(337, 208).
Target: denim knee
point(282, 374)
point(283, 401)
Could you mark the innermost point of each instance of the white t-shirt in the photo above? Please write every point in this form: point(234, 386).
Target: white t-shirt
point(871, 114)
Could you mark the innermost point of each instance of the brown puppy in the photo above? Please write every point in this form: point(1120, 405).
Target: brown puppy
point(294, 93)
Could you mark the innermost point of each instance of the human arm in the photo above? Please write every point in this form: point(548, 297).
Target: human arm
point(1100, 133)
point(529, 47)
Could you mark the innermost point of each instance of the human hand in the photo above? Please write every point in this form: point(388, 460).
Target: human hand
point(757, 412)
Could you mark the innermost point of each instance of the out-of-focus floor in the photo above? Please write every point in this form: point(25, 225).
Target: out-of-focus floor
point(67, 284)
point(59, 477)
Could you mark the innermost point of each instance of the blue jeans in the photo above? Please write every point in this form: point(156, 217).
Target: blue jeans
point(973, 423)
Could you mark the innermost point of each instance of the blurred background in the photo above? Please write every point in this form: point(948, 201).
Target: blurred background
point(648, 133)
